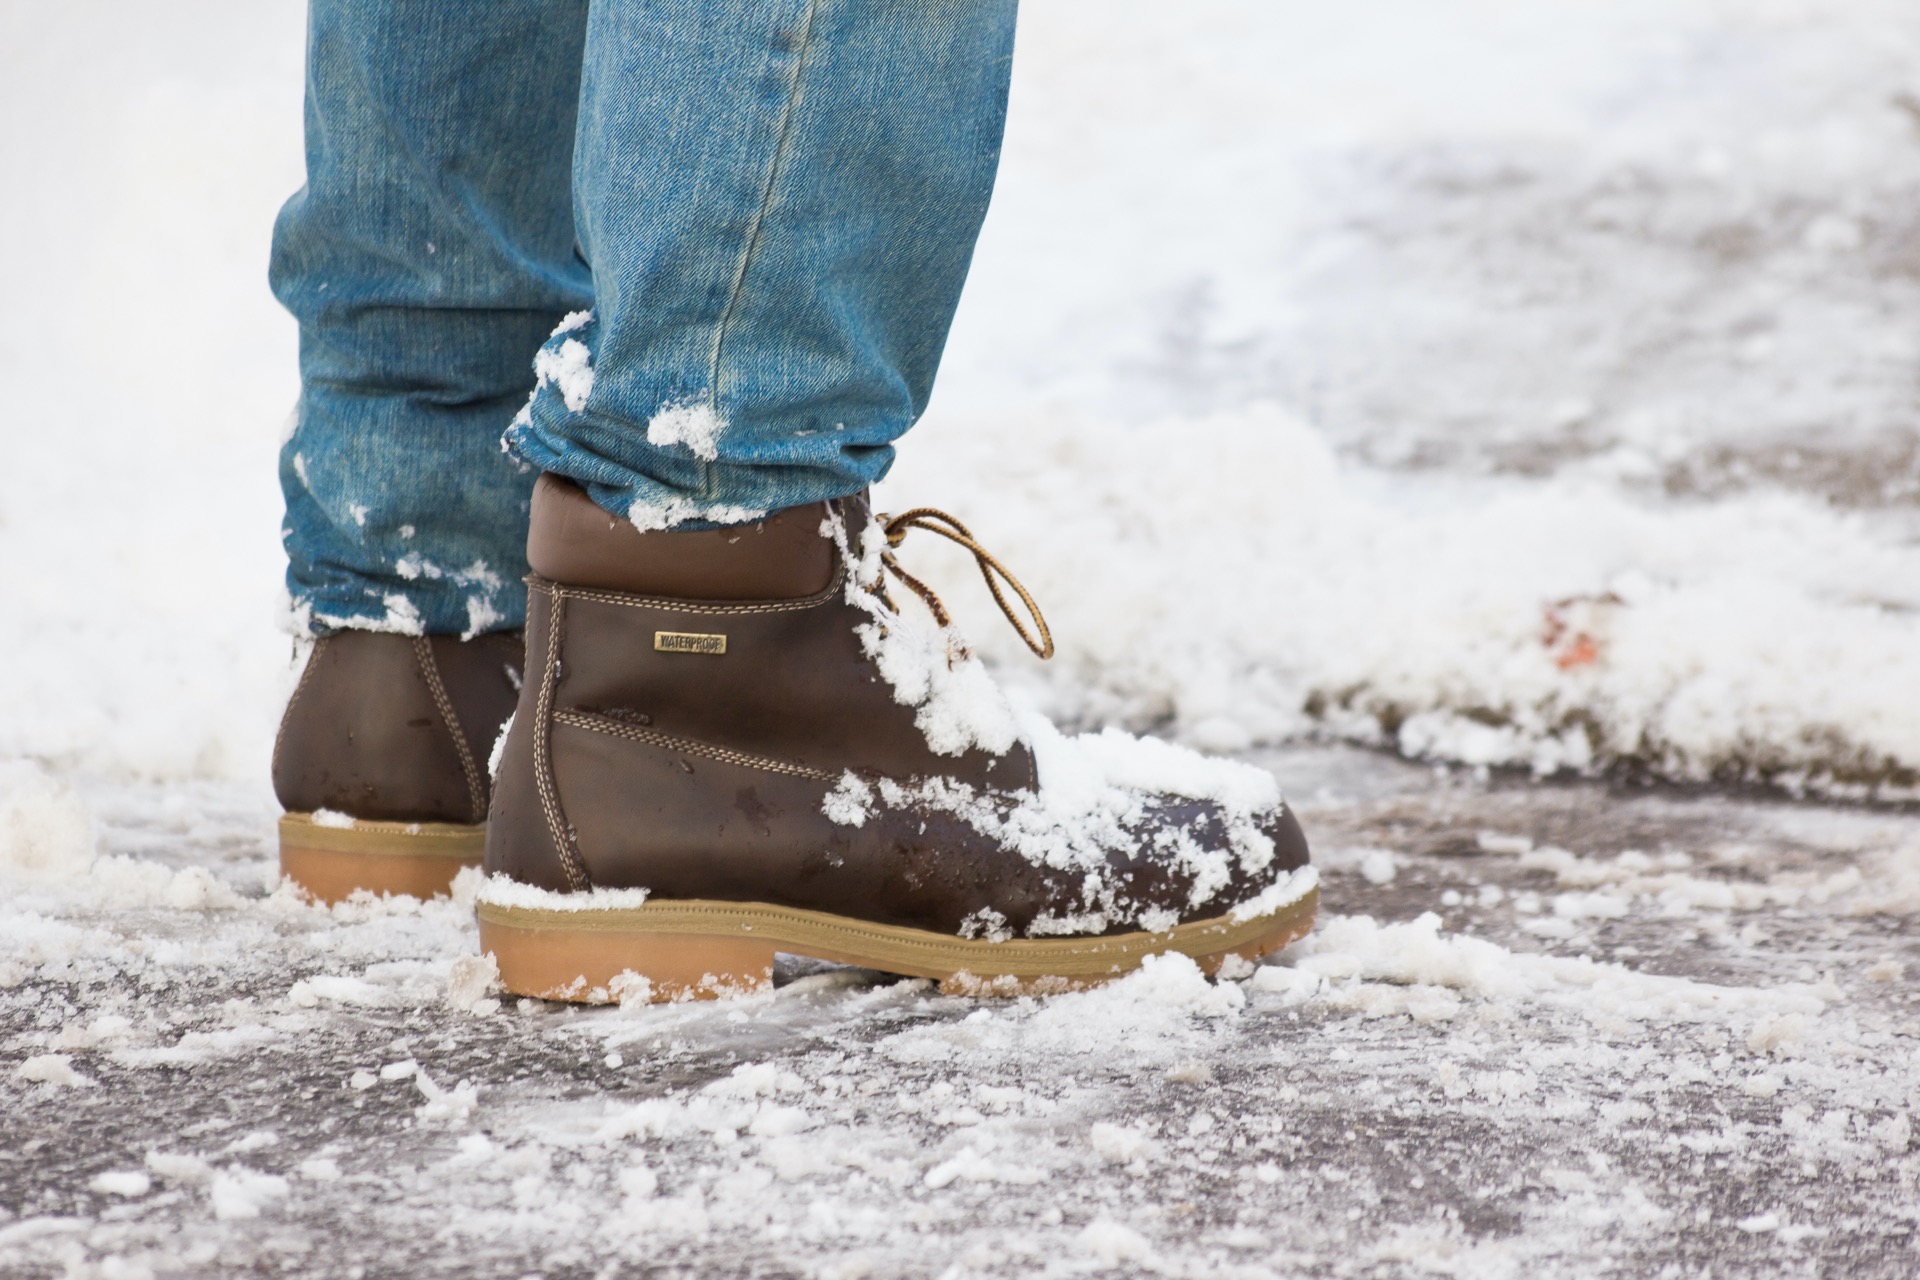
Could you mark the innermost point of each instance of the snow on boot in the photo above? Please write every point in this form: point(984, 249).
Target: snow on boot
point(730, 744)
point(381, 762)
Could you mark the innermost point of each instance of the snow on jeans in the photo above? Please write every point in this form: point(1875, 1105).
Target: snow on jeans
point(717, 242)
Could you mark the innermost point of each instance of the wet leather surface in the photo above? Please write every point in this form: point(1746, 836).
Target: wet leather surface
point(685, 826)
point(363, 735)
point(702, 774)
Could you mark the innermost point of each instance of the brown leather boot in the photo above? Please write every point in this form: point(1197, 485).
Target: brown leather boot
point(381, 762)
point(731, 744)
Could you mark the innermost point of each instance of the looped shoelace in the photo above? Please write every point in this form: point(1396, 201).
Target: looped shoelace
point(935, 521)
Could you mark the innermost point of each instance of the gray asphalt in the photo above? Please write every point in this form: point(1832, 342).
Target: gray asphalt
point(1381, 1124)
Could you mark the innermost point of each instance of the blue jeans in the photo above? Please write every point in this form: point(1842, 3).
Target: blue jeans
point(706, 250)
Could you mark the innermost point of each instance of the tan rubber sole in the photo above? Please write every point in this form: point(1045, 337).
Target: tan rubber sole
point(700, 950)
point(419, 859)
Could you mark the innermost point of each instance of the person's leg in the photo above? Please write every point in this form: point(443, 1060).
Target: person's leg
point(779, 199)
point(429, 255)
point(730, 742)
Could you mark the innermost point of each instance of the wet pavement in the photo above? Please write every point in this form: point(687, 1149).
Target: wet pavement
point(1652, 1032)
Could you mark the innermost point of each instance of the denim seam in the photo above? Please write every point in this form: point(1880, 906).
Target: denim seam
point(794, 93)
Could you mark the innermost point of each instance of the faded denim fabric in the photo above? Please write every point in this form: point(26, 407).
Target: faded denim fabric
point(744, 223)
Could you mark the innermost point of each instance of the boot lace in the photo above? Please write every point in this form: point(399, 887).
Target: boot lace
point(936, 521)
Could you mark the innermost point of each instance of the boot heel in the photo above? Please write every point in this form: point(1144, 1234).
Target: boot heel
point(419, 859)
point(590, 965)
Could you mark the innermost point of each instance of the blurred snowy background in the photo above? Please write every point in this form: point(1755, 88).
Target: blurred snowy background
point(1509, 384)
point(1530, 385)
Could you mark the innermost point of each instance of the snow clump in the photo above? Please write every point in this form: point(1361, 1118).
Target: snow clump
point(239, 1192)
point(504, 891)
point(850, 803)
point(666, 512)
point(695, 424)
point(568, 368)
point(55, 1069)
point(121, 1182)
point(959, 705)
point(471, 982)
point(1113, 1244)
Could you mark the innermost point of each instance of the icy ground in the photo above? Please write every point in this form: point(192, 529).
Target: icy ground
point(1640, 1034)
point(1524, 388)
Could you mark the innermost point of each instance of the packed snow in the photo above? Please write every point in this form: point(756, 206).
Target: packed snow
point(1522, 392)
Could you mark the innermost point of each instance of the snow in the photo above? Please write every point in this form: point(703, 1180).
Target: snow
point(698, 426)
point(1764, 635)
point(1118, 1143)
point(402, 618)
point(1078, 771)
point(130, 1183)
point(46, 834)
point(500, 891)
point(319, 1170)
point(1094, 790)
point(1351, 953)
point(1484, 384)
point(850, 803)
point(1283, 892)
point(54, 1069)
point(453, 1106)
point(569, 369)
point(239, 1192)
point(178, 1167)
point(499, 748)
point(471, 983)
point(1112, 1243)
point(958, 707)
point(647, 514)
point(309, 993)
